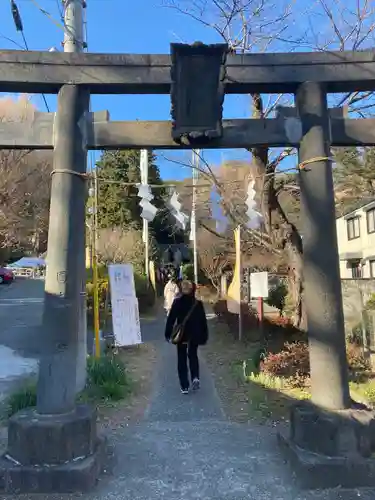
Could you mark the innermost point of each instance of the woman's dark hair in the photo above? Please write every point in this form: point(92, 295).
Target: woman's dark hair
point(188, 287)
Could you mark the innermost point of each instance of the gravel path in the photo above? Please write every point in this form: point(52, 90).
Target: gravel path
point(184, 449)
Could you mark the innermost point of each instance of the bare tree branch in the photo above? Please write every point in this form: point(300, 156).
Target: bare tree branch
point(24, 187)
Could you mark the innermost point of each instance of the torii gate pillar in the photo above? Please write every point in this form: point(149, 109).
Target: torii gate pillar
point(55, 447)
point(322, 284)
point(66, 239)
point(329, 436)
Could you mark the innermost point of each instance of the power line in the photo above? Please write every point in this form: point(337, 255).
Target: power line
point(60, 9)
point(19, 27)
point(121, 183)
point(24, 40)
point(48, 15)
point(12, 41)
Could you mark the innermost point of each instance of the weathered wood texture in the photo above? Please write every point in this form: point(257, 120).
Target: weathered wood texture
point(197, 109)
point(103, 134)
point(150, 74)
point(236, 134)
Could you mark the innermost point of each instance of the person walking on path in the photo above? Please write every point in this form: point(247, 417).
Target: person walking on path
point(171, 291)
point(188, 313)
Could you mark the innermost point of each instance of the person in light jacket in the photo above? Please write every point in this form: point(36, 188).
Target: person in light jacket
point(171, 291)
point(195, 333)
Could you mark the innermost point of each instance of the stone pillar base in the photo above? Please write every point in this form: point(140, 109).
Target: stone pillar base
point(328, 449)
point(52, 453)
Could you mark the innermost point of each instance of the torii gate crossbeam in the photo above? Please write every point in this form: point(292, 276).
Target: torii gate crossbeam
point(37, 72)
point(309, 76)
point(103, 134)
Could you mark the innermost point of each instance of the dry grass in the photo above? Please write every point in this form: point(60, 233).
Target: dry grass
point(247, 395)
point(140, 364)
point(244, 396)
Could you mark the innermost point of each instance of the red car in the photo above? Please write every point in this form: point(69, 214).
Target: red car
point(6, 275)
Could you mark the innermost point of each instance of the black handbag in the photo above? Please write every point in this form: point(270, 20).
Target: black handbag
point(178, 330)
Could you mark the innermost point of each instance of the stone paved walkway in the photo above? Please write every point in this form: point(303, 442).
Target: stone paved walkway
point(184, 449)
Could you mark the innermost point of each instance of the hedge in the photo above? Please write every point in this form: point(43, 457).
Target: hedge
point(144, 291)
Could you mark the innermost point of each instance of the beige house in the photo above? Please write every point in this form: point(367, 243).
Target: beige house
point(356, 241)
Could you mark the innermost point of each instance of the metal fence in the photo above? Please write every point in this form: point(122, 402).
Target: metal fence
point(26, 272)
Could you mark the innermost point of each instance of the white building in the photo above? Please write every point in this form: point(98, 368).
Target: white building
point(356, 241)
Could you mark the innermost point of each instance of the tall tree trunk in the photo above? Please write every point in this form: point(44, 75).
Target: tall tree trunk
point(292, 245)
point(35, 242)
point(287, 237)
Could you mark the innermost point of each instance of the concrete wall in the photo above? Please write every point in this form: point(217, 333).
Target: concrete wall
point(352, 299)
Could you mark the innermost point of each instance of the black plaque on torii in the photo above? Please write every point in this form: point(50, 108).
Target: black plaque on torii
point(197, 92)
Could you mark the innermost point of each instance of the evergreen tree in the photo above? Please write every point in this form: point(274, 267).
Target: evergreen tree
point(118, 203)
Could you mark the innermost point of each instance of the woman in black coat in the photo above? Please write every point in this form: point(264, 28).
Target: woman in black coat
point(195, 333)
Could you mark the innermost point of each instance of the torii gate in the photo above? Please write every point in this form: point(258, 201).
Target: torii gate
point(197, 122)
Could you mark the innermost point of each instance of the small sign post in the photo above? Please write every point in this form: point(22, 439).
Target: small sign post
point(259, 291)
point(125, 313)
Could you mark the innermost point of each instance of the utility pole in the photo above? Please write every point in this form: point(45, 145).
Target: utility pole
point(147, 249)
point(195, 164)
point(144, 181)
point(62, 365)
point(74, 42)
point(239, 278)
point(73, 21)
point(95, 265)
point(96, 201)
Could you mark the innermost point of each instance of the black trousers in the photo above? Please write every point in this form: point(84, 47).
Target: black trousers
point(187, 352)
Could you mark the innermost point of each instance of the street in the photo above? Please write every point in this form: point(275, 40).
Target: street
point(21, 306)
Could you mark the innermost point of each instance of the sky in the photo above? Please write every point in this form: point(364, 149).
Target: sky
point(149, 26)
point(123, 26)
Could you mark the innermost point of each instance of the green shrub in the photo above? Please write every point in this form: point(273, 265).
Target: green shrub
point(107, 377)
point(250, 323)
point(103, 285)
point(113, 391)
point(143, 290)
point(356, 359)
point(277, 296)
point(371, 302)
point(259, 355)
point(102, 272)
point(355, 335)
point(188, 271)
point(106, 369)
point(370, 393)
point(249, 315)
point(289, 305)
point(291, 362)
point(22, 398)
